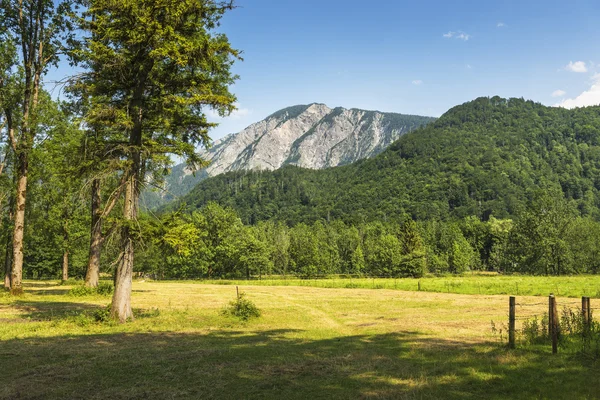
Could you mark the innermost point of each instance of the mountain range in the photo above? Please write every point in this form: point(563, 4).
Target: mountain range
point(487, 157)
point(310, 136)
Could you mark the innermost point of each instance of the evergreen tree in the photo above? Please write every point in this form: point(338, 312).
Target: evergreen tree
point(153, 68)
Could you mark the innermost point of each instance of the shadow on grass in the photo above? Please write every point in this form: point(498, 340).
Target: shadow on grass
point(277, 364)
point(50, 292)
point(51, 311)
point(39, 284)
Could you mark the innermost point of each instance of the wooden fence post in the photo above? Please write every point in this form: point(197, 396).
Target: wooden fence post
point(511, 322)
point(554, 324)
point(550, 315)
point(586, 314)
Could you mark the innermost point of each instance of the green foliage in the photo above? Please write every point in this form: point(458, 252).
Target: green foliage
point(535, 331)
point(164, 57)
point(81, 291)
point(102, 314)
point(241, 308)
point(540, 240)
point(103, 289)
point(479, 159)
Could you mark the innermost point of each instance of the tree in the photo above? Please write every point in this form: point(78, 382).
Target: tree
point(499, 233)
point(253, 255)
point(413, 251)
point(9, 87)
point(276, 237)
point(462, 255)
point(36, 26)
point(152, 69)
point(540, 238)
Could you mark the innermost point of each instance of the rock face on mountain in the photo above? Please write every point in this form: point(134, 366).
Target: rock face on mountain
point(310, 136)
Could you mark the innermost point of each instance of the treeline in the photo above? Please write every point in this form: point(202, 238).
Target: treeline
point(485, 157)
point(546, 238)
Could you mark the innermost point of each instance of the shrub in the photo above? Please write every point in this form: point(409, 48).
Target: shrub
point(81, 291)
point(103, 289)
point(102, 314)
point(535, 331)
point(242, 308)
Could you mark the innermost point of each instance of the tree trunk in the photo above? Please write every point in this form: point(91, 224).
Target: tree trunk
point(16, 287)
point(121, 302)
point(65, 262)
point(7, 263)
point(8, 245)
point(92, 274)
point(65, 266)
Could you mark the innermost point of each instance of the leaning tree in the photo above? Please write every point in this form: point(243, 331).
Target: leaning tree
point(152, 69)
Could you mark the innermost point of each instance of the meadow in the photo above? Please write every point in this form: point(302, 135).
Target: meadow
point(478, 283)
point(310, 342)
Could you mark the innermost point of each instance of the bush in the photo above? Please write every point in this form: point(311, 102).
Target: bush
point(102, 314)
point(103, 289)
point(242, 308)
point(81, 291)
point(536, 331)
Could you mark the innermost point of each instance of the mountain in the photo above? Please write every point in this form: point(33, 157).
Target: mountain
point(485, 157)
point(310, 136)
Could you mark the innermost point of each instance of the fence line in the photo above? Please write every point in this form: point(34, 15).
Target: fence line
point(553, 318)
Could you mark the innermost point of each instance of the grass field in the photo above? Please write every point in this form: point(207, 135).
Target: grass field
point(516, 285)
point(311, 342)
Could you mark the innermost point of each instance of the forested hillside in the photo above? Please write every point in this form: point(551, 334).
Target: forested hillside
point(496, 185)
point(485, 157)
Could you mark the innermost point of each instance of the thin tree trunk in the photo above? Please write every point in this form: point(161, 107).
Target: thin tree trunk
point(8, 245)
point(65, 266)
point(7, 262)
point(16, 287)
point(65, 261)
point(92, 274)
point(121, 302)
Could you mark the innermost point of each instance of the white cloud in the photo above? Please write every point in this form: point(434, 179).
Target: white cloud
point(469, 66)
point(500, 25)
point(457, 35)
point(558, 93)
point(577, 66)
point(417, 82)
point(590, 97)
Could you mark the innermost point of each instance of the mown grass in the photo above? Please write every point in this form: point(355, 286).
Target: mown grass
point(309, 343)
point(516, 285)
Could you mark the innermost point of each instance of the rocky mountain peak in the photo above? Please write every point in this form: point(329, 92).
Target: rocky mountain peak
point(311, 136)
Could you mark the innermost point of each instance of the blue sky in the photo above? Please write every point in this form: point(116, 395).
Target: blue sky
point(416, 57)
